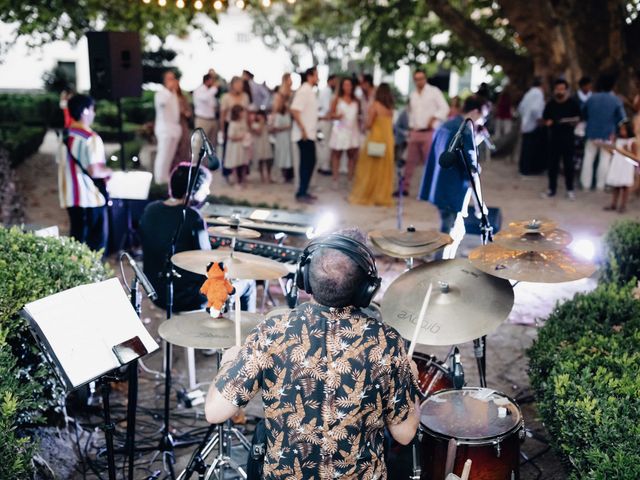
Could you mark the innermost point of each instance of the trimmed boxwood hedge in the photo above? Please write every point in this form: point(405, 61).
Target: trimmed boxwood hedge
point(31, 268)
point(585, 370)
point(622, 252)
point(21, 141)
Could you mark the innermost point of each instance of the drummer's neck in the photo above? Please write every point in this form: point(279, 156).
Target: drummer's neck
point(172, 202)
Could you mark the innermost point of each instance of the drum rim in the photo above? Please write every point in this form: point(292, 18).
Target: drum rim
point(488, 440)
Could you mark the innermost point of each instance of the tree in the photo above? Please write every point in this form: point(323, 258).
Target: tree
point(45, 21)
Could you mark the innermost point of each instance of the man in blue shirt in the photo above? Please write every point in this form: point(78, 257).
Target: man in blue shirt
point(447, 188)
point(603, 111)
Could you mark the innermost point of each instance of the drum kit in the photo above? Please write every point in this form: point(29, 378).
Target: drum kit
point(466, 432)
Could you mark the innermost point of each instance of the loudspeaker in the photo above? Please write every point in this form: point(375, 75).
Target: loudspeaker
point(115, 64)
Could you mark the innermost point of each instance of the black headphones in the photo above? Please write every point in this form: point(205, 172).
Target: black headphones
point(356, 251)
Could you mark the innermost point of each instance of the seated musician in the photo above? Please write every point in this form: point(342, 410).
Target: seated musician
point(331, 377)
point(157, 228)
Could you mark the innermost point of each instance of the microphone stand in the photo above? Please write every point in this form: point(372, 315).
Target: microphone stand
point(167, 443)
point(486, 236)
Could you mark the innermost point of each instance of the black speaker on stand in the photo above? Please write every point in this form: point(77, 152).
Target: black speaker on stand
point(115, 67)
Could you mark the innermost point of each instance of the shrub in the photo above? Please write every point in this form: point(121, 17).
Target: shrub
point(111, 135)
point(11, 205)
point(31, 109)
point(20, 141)
point(622, 252)
point(585, 370)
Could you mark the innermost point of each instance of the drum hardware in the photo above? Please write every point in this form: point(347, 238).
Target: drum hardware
point(400, 163)
point(234, 230)
point(457, 372)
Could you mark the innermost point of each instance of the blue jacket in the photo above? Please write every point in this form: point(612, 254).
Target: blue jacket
point(603, 112)
point(446, 188)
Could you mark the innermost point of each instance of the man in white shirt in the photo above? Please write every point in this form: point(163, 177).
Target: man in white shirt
point(304, 110)
point(323, 152)
point(530, 109)
point(205, 106)
point(167, 127)
point(427, 109)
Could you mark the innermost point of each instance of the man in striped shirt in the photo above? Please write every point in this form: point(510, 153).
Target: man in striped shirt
point(85, 204)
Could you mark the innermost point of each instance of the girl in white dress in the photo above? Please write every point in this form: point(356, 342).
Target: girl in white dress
point(236, 153)
point(621, 173)
point(345, 134)
point(281, 130)
point(262, 150)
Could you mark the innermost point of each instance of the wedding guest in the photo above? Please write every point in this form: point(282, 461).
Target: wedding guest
point(622, 171)
point(236, 152)
point(205, 106)
point(281, 130)
point(167, 128)
point(183, 151)
point(345, 132)
point(262, 151)
point(325, 99)
point(235, 96)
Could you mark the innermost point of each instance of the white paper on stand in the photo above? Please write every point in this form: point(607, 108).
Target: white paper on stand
point(129, 185)
point(82, 325)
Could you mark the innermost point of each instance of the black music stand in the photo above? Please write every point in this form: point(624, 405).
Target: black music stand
point(86, 333)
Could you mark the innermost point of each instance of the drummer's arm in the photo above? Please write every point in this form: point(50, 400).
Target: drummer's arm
point(403, 401)
point(404, 432)
point(217, 408)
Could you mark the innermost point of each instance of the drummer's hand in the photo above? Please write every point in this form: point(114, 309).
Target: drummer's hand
point(230, 355)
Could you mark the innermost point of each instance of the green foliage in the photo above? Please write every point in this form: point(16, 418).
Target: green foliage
point(58, 80)
point(585, 370)
point(110, 133)
point(31, 268)
point(20, 141)
point(622, 252)
point(30, 109)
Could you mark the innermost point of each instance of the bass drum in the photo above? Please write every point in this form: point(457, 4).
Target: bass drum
point(487, 427)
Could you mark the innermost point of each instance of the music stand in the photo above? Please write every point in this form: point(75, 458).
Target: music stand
point(86, 333)
point(128, 186)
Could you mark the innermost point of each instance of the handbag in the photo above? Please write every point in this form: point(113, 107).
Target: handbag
point(99, 183)
point(376, 149)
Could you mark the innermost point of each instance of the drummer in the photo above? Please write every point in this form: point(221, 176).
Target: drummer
point(157, 228)
point(332, 379)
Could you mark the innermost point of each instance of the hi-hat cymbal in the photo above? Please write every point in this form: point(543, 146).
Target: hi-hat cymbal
point(543, 267)
point(233, 231)
point(409, 243)
point(199, 330)
point(240, 266)
point(465, 303)
point(535, 224)
point(533, 241)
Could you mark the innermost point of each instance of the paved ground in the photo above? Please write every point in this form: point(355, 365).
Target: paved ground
point(518, 198)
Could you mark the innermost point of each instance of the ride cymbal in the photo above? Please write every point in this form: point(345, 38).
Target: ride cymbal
point(533, 241)
point(199, 330)
point(536, 224)
point(408, 244)
point(241, 266)
point(233, 232)
point(465, 303)
point(543, 267)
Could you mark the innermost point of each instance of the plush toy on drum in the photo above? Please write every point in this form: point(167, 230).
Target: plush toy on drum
point(217, 288)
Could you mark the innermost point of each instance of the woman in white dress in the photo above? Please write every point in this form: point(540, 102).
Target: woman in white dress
point(281, 131)
point(345, 133)
point(622, 170)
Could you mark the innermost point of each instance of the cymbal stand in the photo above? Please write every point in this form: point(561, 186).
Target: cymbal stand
point(400, 205)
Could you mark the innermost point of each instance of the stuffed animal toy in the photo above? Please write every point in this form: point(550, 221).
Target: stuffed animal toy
point(217, 288)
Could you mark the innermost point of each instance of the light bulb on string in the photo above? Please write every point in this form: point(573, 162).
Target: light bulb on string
point(198, 4)
point(180, 3)
point(240, 4)
point(146, 1)
point(291, 1)
point(266, 3)
point(162, 3)
point(217, 5)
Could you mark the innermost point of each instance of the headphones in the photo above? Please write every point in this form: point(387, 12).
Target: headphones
point(356, 251)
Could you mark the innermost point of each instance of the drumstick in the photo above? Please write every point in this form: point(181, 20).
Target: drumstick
point(466, 470)
point(423, 313)
point(238, 334)
point(452, 449)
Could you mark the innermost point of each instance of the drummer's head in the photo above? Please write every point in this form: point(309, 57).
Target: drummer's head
point(333, 276)
point(201, 178)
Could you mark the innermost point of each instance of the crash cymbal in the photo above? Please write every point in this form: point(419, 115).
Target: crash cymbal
point(533, 241)
point(543, 267)
point(240, 266)
point(535, 224)
point(233, 231)
point(399, 247)
point(199, 330)
point(465, 303)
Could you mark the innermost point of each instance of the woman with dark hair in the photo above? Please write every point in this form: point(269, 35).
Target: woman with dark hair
point(374, 173)
point(345, 133)
point(183, 152)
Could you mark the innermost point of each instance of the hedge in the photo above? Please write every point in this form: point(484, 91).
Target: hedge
point(622, 252)
point(42, 109)
point(31, 268)
point(585, 371)
point(21, 141)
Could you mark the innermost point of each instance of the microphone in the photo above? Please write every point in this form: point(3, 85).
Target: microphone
point(200, 143)
point(292, 295)
point(485, 137)
point(144, 281)
point(448, 158)
point(212, 159)
point(457, 372)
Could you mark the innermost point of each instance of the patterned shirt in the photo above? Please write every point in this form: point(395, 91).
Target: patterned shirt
point(76, 189)
point(331, 379)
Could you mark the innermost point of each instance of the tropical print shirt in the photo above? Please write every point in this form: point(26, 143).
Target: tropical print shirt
point(331, 379)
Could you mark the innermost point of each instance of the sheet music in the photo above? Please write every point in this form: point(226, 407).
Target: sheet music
point(82, 325)
point(129, 185)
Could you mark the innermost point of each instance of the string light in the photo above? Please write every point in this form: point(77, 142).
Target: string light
point(146, 1)
point(162, 3)
point(291, 1)
point(266, 3)
point(198, 4)
point(180, 4)
point(240, 4)
point(217, 5)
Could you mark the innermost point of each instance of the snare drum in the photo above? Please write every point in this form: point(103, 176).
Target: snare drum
point(488, 429)
point(433, 375)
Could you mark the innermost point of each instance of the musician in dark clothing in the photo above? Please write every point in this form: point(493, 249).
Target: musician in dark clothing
point(157, 228)
point(561, 115)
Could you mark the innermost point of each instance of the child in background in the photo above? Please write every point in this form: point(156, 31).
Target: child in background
point(262, 150)
point(621, 173)
point(236, 154)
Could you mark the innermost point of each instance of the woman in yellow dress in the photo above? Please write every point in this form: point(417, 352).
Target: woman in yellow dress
point(373, 181)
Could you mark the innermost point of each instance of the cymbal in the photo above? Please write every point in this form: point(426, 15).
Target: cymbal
point(233, 231)
point(240, 266)
point(199, 330)
point(533, 241)
point(544, 267)
point(409, 244)
point(535, 224)
point(465, 303)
